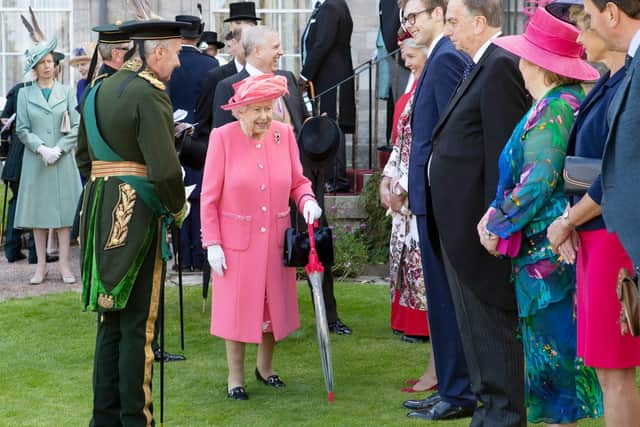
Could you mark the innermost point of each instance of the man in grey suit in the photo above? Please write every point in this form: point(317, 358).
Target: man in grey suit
point(618, 23)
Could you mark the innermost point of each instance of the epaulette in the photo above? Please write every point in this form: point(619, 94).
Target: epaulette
point(98, 78)
point(151, 78)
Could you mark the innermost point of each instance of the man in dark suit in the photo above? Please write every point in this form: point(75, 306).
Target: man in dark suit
point(184, 90)
point(618, 23)
point(263, 51)
point(424, 19)
point(326, 60)
point(463, 175)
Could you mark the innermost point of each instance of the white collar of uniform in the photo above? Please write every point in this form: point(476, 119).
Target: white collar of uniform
point(239, 66)
point(184, 46)
point(434, 42)
point(253, 71)
point(633, 46)
point(484, 47)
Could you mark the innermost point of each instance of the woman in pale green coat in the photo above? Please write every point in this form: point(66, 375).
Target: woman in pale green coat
point(47, 124)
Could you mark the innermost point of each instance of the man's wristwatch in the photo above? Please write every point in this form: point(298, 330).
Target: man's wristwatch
point(566, 219)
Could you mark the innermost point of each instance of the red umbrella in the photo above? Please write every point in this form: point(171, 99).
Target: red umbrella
point(315, 271)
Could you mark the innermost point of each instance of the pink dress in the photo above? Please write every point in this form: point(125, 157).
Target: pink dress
point(600, 342)
point(245, 196)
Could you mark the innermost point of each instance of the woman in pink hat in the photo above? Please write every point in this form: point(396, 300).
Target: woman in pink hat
point(560, 389)
point(252, 170)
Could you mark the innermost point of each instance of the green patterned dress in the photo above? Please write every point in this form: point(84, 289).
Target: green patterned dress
point(560, 389)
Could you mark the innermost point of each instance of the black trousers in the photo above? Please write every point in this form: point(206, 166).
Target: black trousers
point(123, 362)
point(495, 358)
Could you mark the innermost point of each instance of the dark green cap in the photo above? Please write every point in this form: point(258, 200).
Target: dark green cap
point(154, 29)
point(112, 33)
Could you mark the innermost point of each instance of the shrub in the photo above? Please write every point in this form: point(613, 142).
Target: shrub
point(350, 252)
point(378, 225)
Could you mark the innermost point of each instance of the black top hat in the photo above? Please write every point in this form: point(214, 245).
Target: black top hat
point(242, 10)
point(319, 140)
point(154, 29)
point(111, 33)
point(195, 29)
point(211, 39)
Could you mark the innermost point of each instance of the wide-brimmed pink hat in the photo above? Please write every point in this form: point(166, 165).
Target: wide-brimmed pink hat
point(550, 43)
point(255, 89)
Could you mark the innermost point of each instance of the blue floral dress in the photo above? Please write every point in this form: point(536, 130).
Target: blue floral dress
point(559, 388)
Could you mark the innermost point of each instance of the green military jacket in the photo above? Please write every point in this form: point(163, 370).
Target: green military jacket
point(118, 229)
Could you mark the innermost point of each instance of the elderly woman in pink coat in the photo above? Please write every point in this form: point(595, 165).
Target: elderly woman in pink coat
point(252, 170)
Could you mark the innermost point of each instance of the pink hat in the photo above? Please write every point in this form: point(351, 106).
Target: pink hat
point(255, 89)
point(551, 44)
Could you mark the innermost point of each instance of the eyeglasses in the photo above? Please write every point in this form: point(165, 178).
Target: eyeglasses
point(411, 18)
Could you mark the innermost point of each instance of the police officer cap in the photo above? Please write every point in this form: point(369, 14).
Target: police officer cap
point(154, 29)
point(195, 26)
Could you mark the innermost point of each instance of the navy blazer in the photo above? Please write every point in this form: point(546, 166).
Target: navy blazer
point(589, 133)
point(620, 171)
point(438, 82)
point(185, 83)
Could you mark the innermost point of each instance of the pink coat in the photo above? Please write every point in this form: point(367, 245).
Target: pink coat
point(245, 196)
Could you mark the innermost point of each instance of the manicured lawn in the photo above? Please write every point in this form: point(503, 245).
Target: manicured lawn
point(46, 350)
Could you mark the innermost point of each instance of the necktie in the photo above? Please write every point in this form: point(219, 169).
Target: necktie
point(627, 62)
point(467, 70)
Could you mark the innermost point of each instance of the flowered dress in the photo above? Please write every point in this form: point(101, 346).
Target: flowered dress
point(559, 388)
point(408, 295)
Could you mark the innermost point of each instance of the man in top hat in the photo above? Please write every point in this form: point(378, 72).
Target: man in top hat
point(263, 51)
point(209, 44)
point(462, 175)
point(126, 147)
point(326, 60)
point(184, 90)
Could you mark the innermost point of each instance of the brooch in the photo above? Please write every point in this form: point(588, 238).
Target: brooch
point(276, 136)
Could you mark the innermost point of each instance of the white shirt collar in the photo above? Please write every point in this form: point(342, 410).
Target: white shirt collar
point(320, 1)
point(434, 42)
point(184, 46)
point(484, 47)
point(633, 46)
point(253, 71)
point(239, 66)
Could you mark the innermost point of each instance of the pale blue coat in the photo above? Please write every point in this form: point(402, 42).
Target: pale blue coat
point(48, 195)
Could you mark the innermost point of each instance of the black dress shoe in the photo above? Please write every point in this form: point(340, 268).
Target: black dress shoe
point(424, 403)
point(272, 380)
point(168, 357)
point(238, 393)
point(442, 411)
point(415, 339)
point(339, 328)
point(17, 258)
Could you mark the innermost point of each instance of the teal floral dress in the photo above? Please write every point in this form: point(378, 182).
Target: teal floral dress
point(559, 388)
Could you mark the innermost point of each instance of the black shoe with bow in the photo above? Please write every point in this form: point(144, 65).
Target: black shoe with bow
point(238, 393)
point(168, 357)
point(339, 328)
point(272, 380)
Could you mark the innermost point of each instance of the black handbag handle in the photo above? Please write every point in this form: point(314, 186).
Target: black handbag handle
point(298, 210)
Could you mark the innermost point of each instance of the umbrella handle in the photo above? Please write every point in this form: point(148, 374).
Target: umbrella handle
point(314, 264)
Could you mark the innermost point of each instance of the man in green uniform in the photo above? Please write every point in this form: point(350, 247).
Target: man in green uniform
point(135, 190)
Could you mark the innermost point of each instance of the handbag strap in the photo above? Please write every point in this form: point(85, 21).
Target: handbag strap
point(298, 210)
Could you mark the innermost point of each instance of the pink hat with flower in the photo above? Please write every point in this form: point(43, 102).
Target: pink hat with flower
point(550, 43)
point(255, 89)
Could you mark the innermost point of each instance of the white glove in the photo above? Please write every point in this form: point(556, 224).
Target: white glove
point(311, 211)
point(215, 255)
point(49, 155)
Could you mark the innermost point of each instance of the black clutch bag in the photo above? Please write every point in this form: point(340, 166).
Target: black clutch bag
point(579, 173)
point(192, 150)
point(296, 247)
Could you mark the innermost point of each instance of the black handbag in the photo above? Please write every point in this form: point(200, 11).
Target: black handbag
point(579, 174)
point(297, 247)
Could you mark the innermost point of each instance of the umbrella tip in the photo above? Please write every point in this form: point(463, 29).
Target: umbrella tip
point(330, 396)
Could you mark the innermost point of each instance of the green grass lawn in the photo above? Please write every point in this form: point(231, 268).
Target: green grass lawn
point(46, 350)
